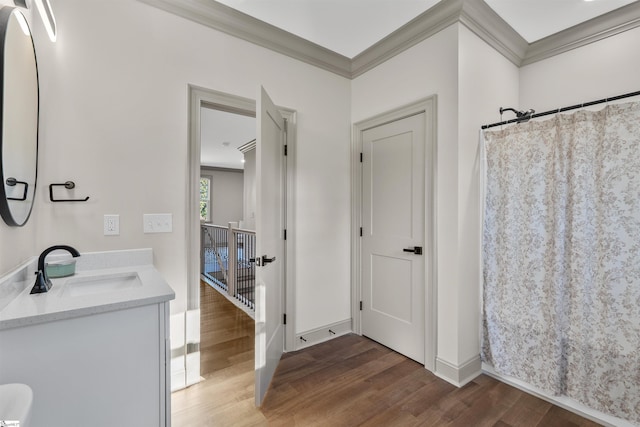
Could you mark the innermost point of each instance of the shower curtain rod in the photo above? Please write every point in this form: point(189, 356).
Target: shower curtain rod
point(560, 110)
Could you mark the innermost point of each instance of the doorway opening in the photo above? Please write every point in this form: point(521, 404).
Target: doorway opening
point(227, 240)
point(228, 204)
point(206, 100)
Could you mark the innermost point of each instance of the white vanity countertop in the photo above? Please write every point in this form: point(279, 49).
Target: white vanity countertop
point(19, 308)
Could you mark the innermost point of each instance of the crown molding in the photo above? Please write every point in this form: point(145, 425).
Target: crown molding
point(593, 30)
point(476, 15)
point(235, 23)
point(435, 19)
point(246, 147)
point(484, 22)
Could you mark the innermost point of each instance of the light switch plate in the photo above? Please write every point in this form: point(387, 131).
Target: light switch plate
point(157, 223)
point(112, 225)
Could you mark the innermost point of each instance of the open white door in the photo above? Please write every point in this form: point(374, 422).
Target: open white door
point(270, 224)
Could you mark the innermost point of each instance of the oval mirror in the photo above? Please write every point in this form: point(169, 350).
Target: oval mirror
point(18, 117)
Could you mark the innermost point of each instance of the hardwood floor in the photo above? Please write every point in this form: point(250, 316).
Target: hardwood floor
point(227, 334)
point(349, 381)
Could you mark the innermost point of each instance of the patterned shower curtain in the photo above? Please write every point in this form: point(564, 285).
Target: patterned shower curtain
point(561, 247)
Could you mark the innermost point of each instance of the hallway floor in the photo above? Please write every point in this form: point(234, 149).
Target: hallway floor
point(227, 334)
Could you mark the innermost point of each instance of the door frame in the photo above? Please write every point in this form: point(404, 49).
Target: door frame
point(428, 106)
point(203, 97)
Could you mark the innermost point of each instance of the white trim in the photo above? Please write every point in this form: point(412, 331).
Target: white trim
point(192, 371)
point(437, 18)
point(356, 221)
point(428, 106)
point(177, 351)
point(165, 364)
point(607, 25)
point(208, 199)
point(474, 14)
point(485, 23)
point(561, 401)
point(246, 147)
point(178, 377)
point(237, 24)
point(458, 375)
point(322, 334)
point(290, 219)
point(199, 97)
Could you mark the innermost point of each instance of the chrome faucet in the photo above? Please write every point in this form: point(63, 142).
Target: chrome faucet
point(43, 283)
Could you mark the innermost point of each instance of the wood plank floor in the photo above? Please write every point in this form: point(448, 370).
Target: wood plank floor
point(349, 381)
point(227, 334)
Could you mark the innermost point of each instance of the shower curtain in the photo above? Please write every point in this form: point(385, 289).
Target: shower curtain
point(561, 249)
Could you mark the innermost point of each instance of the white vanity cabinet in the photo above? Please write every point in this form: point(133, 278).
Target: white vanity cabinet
point(94, 348)
point(107, 369)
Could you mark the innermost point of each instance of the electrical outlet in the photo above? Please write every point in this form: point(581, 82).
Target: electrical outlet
point(157, 223)
point(112, 225)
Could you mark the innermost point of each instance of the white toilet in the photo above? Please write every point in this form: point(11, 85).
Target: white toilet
point(15, 404)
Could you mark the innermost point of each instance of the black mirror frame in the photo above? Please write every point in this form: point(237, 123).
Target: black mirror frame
point(5, 210)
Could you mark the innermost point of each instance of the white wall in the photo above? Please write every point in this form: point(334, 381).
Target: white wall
point(19, 244)
point(114, 120)
point(595, 71)
point(227, 188)
point(487, 81)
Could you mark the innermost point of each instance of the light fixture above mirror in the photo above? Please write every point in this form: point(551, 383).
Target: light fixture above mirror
point(46, 14)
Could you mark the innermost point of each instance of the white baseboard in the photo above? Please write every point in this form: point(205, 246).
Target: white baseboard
point(461, 374)
point(193, 369)
point(322, 334)
point(561, 401)
point(178, 374)
point(178, 366)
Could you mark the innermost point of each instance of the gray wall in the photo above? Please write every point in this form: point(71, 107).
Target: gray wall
point(227, 187)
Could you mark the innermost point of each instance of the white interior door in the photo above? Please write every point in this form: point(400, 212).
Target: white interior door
point(269, 242)
point(393, 211)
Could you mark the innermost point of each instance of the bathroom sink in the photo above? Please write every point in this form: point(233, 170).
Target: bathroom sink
point(91, 285)
point(15, 404)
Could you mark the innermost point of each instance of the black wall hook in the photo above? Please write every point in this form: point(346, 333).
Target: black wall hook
point(69, 185)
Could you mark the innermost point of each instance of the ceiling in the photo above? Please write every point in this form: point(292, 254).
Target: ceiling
point(348, 27)
point(221, 134)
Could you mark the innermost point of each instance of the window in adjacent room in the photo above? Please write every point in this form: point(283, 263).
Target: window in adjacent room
point(205, 198)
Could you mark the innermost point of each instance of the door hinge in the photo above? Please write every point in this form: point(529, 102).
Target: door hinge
point(285, 234)
point(360, 305)
point(285, 150)
point(284, 318)
point(360, 231)
point(361, 155)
